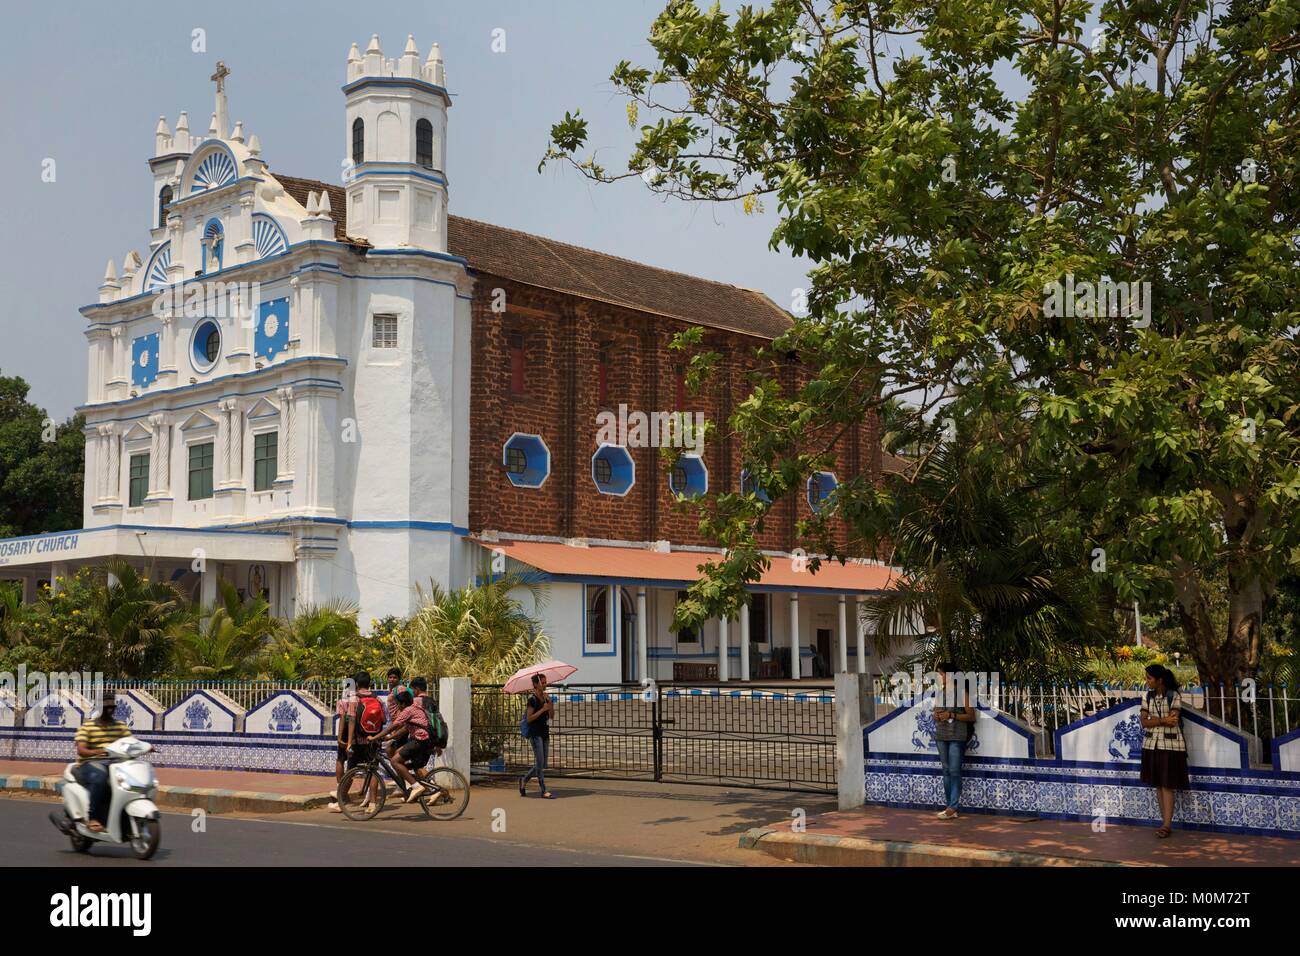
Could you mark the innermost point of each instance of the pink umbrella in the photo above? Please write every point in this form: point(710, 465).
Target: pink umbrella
point(555, 672)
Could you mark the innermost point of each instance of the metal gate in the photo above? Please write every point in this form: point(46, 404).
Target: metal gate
point(777, 737)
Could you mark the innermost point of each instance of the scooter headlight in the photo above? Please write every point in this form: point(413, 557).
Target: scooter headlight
point(138, 782)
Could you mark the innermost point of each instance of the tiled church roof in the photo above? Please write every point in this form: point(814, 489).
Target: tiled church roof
point(546, 263)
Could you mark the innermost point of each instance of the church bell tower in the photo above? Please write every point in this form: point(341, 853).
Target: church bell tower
point(396, 145)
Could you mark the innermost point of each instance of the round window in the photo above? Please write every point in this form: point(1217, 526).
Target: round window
point(207, 345)
point(516, 461)
point(604, 471)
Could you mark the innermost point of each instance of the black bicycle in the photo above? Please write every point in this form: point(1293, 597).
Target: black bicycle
point(364, 790)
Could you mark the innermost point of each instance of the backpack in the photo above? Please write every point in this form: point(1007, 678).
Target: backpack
point(371, 717)
point(437, 726)
point(525, 725)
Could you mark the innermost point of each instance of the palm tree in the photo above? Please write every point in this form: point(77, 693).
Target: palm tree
point(482, 631)
point(227, 637)
point(132, 621)
point(321, 642)
point(979, 574)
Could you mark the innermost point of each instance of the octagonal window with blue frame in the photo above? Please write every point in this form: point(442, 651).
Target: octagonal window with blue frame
point(689, 478)
point(527, 460)
point(821, 485)
point(271, 337)
point(613, 470)
point(749, 486)
point(144, 360)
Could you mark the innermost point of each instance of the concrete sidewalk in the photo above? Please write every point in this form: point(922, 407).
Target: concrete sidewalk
point(617, 817)
point(886, 836)
point(216, 791)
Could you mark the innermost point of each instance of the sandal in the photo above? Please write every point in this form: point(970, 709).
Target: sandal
point(548, 795)
point(522, 791)
point(1164, 833)
point(94, 826)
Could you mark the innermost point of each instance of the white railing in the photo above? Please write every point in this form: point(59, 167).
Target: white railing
point(1265, 711)
point(246, 693)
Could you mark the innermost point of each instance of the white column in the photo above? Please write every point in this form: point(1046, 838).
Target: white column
point(167, 345)
point(844, 635)
point(862, 635)
point(850, 760)
point(611, 609)
point(236, 443)
point(223, 445)
point(208, 584)
point(454, 705)
point(724, 647)
point(744, 642)
point(642, 651)
point(119, 355)
point(101, 462)
point(165, 455)
point(114, 466)
point(287, 417)
point(155, 454)
point(794, 635)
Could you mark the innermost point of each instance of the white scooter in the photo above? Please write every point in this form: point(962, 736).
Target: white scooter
point(132, 814)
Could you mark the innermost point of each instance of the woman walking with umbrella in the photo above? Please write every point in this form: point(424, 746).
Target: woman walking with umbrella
point(539, 709)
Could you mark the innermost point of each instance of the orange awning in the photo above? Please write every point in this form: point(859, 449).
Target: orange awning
point(606, 563)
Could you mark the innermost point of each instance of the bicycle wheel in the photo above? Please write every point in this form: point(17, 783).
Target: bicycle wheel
point(448, 796)
point(354, 791)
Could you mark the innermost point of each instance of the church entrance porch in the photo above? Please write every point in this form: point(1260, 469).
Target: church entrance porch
point(192, 559)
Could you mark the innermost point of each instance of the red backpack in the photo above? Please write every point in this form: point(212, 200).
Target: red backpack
point(371, 716)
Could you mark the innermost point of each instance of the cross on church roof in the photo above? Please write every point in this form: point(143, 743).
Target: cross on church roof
point(220, 76)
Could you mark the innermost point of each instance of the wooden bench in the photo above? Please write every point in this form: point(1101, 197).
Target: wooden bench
point(689, 672)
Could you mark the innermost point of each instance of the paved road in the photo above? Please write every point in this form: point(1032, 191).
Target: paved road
point(29, 839)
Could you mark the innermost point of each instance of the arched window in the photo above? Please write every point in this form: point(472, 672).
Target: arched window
point(164, 198)
point(424, 144)
point(358, 140)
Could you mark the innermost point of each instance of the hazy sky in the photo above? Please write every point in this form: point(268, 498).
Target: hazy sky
point(84, 84)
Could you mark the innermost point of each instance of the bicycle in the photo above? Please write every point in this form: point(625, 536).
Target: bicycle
point(446, 796)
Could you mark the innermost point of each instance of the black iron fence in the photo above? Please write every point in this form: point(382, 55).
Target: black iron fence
point(769, 737)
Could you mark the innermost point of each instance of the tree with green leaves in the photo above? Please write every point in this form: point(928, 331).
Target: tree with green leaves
point(1082, 217)
point(41, 466)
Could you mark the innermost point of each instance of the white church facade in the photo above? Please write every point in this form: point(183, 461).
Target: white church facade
point(294, 388)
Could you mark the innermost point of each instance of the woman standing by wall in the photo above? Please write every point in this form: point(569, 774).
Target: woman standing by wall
point(954, 719)
point(1164, 749)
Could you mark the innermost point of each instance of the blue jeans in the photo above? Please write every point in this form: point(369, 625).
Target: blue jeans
point(950, 755)
point(93, 775)
point(540, 747)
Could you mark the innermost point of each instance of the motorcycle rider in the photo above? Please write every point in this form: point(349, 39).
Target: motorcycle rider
point(91, 772)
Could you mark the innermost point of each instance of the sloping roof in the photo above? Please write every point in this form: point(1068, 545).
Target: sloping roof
point(894, 464)
point(683, 567)
point(548, 264)
point(538, 261)
point(299, 188)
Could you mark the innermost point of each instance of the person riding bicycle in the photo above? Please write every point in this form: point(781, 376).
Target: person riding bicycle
point(413, 722)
